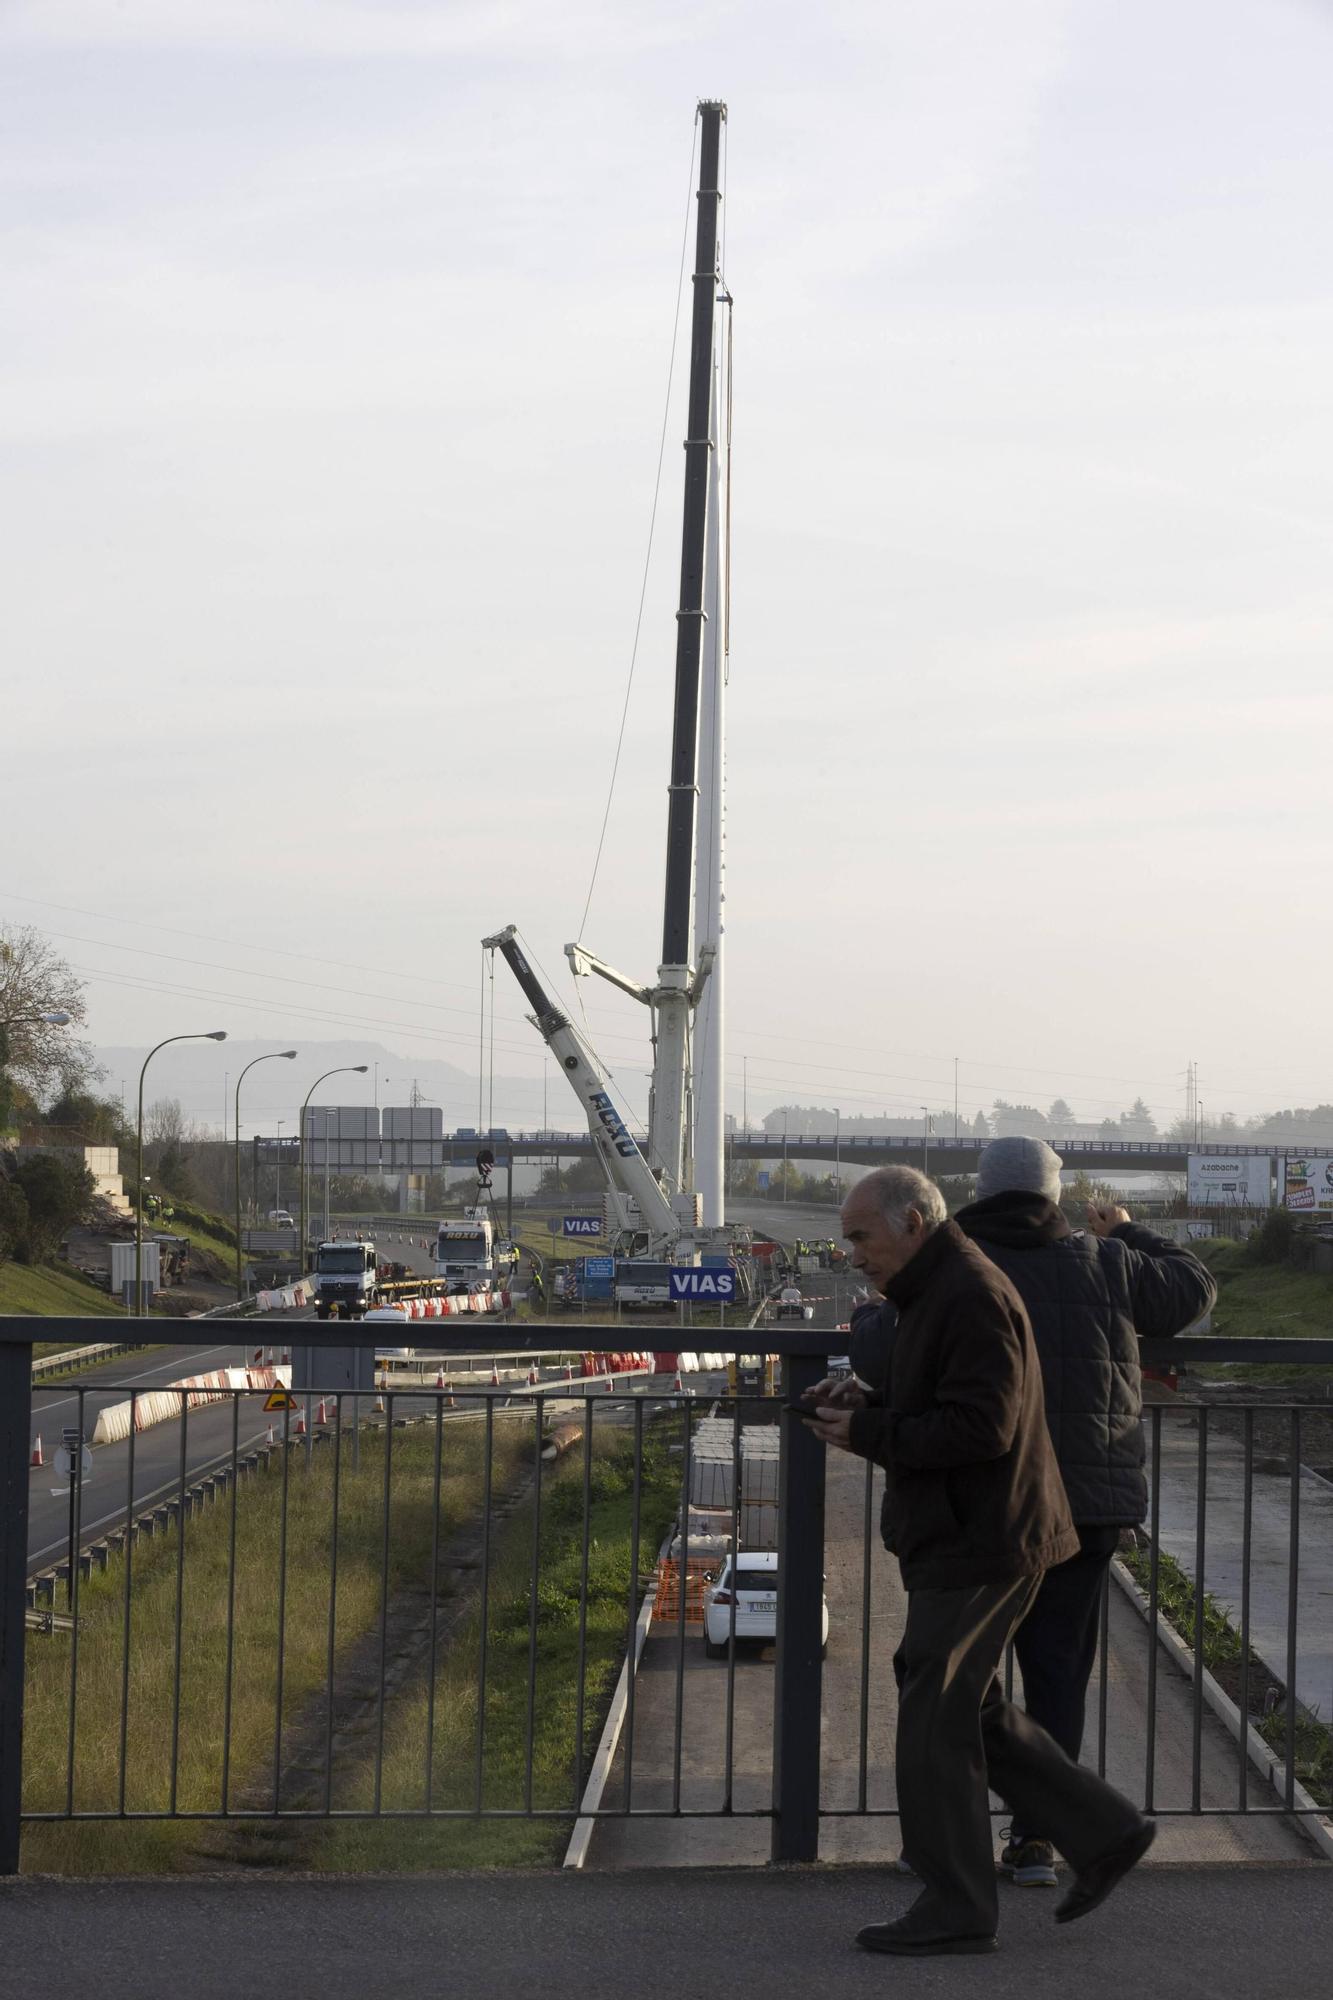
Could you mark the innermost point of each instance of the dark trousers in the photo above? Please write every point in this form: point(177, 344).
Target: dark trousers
point(1056, 1644)
point(957, 1735)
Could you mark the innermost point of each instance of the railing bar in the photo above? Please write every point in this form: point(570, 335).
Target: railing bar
point(431, 1660)
point(282, 1605)
point(330, 1699)
point(682, 1575)
point(1154, 1555)
point(76, 1544)
point(488, 1459)
point(1247, 1520)
point(579, 1691)
point(385, 1545)
point(632, 1608)
point(129, 1576)
point(1103, 1654)
point(182, 1476)
point(729, 1772)
point(1200, 1557)
point(231, 1598)
point(1293, 1584)
point(863, 1725)
point(530, 1717)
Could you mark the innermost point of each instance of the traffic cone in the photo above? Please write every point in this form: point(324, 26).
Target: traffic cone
point(678, 1387)
point(569, 1371)
point(532, 1376)
point(37, 1458)
point(301, 1428)
point(610, 1384)
point(286, 1357)
point(440, 1382)
point(322, 1414)
point(449, 1402)
point(272, 1436)
point(495, 1376)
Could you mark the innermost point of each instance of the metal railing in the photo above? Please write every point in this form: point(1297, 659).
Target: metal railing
point(333, 1611)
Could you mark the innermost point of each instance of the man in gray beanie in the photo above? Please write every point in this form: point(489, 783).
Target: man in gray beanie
point(1089, 1295)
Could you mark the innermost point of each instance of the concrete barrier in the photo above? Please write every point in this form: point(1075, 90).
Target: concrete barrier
point(159, 1406)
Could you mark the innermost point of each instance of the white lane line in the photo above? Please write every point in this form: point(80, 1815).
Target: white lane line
point(113, 1388)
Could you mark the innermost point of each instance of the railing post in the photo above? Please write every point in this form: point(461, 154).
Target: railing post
point(15, 1444)
point(799, 1675)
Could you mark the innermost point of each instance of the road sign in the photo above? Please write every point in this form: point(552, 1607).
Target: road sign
point(712, 1285)
point(763, 1178)
point(281, 1399)
point(599, 1267)
point(581, 1225)
point(63, 1462)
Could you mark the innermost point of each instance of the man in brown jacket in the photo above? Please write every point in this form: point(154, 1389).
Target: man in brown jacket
point(975, 1511)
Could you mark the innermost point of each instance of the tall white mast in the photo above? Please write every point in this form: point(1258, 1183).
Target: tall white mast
point(709, 1046)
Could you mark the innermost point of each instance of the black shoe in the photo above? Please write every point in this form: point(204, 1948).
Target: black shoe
point(1029, 1864)
point(1095, 1882)
point(904, 1943)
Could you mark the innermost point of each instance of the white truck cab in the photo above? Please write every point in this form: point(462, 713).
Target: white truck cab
point(465, 1253)
point(346, 1277)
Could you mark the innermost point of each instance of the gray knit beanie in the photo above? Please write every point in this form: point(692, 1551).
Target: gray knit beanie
point(1018, 1166)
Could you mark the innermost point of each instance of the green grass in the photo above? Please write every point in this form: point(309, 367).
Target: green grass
point(44, 1289)
point(1222, 1655)
point(163, 1846)
point(1255, 1300)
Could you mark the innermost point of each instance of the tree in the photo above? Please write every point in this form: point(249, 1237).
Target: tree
point(981, 1126)
point(1021, 1121)
point(39, 1055)
point(1060, 1117)
point(13, 1219)
point(97, 1121)
point(58, 1195)
point(1137, 1122)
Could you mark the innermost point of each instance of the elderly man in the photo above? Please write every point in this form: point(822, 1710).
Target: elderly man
point(975, 1512)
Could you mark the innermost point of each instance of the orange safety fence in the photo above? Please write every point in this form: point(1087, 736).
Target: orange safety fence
point(699, 1573)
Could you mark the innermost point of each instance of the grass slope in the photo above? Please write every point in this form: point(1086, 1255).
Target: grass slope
point(1255, 1300)
point(41, 1288)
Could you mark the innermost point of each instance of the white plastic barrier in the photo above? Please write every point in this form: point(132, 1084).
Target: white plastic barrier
point(158, 1406)
point(287, 1296)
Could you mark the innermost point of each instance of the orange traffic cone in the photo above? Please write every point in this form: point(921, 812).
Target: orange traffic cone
point(440, 1382)
point(449, 1402)
point(532, 1376)
point(286, 1357)
point(322, 1413)
point(37, 1458)
point(569, 1371)
point(301, 1428)
point(495, 1376)
point(272, 1436)
point(678, 1387)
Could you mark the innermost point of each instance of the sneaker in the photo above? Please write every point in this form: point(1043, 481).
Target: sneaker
point(1029, 1864)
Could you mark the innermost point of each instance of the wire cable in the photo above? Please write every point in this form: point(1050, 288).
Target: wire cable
point(648, 553)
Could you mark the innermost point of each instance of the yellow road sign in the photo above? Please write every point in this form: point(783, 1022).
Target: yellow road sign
point(282, 1399)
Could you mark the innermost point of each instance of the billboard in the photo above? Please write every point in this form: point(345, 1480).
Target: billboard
point(1237, 1181)
point(1309, 1184)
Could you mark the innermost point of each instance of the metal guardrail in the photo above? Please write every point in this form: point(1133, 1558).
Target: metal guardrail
point(125, 1597)
point(100, 1350)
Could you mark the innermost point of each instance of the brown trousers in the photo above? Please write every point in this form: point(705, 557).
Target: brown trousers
point(958, 1736)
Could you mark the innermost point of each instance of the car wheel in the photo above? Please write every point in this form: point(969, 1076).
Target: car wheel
point(823, 1651)
point(714, 1651)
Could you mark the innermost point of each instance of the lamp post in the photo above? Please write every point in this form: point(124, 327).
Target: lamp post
point(837, 1152)
point(209, 1035)
point(925, 1138)
point(344, 1069)
point(276, 1055)
point(277, 1171)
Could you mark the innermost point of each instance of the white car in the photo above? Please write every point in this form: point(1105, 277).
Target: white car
point(753, 1577)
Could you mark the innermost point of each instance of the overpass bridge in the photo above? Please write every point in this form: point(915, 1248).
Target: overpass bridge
point(937, 1153)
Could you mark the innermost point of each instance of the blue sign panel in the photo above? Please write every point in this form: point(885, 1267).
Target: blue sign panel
point(763, 1178)
point(713, 1286)
point(599, 1267)
point(581, 1225)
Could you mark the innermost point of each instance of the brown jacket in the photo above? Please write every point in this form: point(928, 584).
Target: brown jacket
point(973, 1492)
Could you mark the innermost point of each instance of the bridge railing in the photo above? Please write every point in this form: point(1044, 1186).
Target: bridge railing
point(411, 1603)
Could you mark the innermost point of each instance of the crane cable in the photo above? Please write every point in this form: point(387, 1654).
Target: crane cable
point(648, 553)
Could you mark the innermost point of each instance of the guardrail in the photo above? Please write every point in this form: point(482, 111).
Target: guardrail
point(100, 1350)
point(187, 1687)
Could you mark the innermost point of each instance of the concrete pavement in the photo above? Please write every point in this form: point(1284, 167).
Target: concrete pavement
point(1178, 1933)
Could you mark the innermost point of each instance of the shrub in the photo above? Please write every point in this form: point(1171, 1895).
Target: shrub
point(1272, 1241)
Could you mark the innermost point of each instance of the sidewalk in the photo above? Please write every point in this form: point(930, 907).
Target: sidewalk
point(1266, 1933)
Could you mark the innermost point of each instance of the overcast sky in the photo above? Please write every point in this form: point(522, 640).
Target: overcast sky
point(335, 347)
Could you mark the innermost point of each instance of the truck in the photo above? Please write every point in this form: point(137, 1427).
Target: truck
point(346, 1279)
point(465, 1253)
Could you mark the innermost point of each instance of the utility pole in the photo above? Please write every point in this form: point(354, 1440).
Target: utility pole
point(925, 1138)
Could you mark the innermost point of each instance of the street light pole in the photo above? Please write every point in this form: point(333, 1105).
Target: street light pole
point(277, 1055)
point(837, 1153)
point(209, 1035)
point(344, 1069)
point(925, 1138)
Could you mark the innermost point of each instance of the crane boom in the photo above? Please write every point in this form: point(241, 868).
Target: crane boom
point(625, 1166)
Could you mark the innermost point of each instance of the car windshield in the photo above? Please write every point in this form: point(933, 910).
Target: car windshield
point(337, 1262)
point(463, 1249)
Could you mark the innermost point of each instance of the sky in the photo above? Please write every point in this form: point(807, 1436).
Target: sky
point(335, 349)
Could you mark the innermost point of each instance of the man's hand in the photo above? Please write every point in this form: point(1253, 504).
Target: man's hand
point(843, 1392)
point(832, 1427)
point(1104, 1217)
